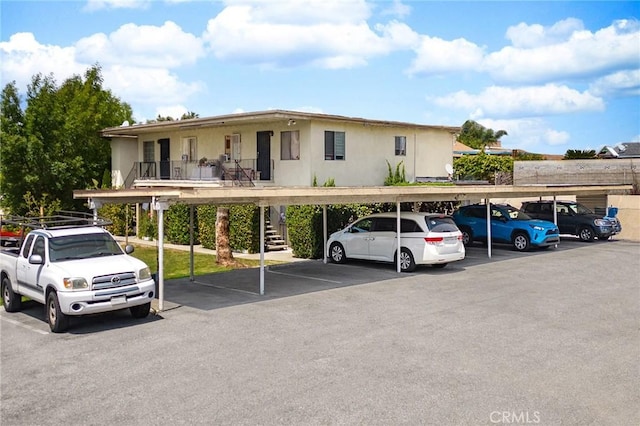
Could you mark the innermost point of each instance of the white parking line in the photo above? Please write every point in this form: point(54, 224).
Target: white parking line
point(305, 277)
point(18, 323)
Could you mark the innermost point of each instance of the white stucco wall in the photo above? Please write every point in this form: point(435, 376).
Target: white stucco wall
point(123, 154)
point(368, 148)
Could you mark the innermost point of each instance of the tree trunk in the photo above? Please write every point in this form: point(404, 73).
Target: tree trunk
point(224, 256)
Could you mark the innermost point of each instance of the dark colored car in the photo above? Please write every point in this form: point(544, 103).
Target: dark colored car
point(508, 225)
point(574, 219)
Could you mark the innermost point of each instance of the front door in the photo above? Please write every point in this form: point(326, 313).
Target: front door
point(263, 163)
point(165, 159)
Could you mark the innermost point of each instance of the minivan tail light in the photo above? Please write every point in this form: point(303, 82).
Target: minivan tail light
point(434, 240)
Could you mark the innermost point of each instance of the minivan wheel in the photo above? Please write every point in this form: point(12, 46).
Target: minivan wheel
point(586, 234)
point(521, 241)
point(336, 253)
point(407, 264)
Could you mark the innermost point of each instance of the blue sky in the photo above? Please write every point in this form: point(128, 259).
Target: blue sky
point(554, 75)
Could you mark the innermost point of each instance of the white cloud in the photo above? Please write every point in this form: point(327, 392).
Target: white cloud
point(622, 83)
point(328, 34)
point(143, 45)
point(397, 8)
point(173, 111)
point(23, 57)
point(437, 56)
point(530, 101)
point(528, 36)
point(151, 86)
point(93, 5)
point(581, 54)
point(532, 134)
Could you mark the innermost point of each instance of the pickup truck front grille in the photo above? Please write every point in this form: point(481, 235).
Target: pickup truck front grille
point(114, 280)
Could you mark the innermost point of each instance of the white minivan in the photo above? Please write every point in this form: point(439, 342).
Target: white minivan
point(425, 239)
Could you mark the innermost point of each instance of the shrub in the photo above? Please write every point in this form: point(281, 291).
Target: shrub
point(122, 216)
point(207, 225)
point(176, 222)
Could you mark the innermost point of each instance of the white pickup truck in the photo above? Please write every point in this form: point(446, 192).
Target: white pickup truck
point(73, 266)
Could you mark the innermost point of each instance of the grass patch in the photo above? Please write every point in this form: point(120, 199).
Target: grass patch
point(176, 262)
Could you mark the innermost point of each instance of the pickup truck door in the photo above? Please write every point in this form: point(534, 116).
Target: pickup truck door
point(29, 274)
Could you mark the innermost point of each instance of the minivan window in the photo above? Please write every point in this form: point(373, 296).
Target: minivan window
point(382, 224)
point(441, 224)
point(363, 225)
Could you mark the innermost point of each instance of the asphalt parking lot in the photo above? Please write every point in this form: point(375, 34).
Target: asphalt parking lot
point(548, 337)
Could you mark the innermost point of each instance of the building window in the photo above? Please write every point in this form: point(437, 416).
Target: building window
point(232, 146)
point(189, 149)
point(401, 145)
point(290, 145)
point(334, 145)
point(148, 152)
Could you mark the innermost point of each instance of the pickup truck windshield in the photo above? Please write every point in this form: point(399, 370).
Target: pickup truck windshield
point(73, 247)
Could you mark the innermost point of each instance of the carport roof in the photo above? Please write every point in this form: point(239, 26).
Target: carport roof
point(265, 196)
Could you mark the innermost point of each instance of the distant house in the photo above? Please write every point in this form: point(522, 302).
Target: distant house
point(621, 150)
point(276, 148)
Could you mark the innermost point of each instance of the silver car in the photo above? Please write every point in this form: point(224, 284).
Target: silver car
point(425, 239)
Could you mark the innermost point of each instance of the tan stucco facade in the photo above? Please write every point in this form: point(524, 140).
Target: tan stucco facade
point(369, 145)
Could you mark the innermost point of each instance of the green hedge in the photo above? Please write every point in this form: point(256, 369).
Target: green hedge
point(244, 222)
point(176, 225)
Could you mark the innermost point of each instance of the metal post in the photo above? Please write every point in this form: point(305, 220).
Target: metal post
point(160, 258)
point(261, 250)
point(398, 234)
point(191, 261)
point(324, 234)
point(488, 202)
point(555, 217)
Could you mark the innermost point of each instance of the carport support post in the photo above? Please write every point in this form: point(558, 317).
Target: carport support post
point(488, 202)
point(555, 216)
point(191, 275)
point(398, 234)
point(324, 234)
point(261, 250)
point(160, 206)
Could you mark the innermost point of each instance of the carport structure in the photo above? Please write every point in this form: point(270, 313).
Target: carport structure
point(160, 197)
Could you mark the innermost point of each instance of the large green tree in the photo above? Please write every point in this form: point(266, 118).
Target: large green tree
point(476, 136)
point(53, 146)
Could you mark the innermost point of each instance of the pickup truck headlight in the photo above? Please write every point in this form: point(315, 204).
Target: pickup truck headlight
point(75, 283)
point(537, 228)
point(144, 274)
point(601, 222)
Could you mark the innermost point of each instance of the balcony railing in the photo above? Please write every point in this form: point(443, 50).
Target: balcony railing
point(241, 173)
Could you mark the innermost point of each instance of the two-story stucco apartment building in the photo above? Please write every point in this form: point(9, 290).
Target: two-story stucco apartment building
point(277, 148)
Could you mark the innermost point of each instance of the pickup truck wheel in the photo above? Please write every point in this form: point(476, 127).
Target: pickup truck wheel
point(521, 241)
point(58, 322)
point(140, 311)
point(586, 234)
point(12, 302)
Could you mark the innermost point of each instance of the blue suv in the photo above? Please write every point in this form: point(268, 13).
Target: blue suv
point(508, 225)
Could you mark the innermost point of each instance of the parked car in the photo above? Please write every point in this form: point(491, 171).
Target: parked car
point(508, 225)
point(574, 219)
point(425, 239)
